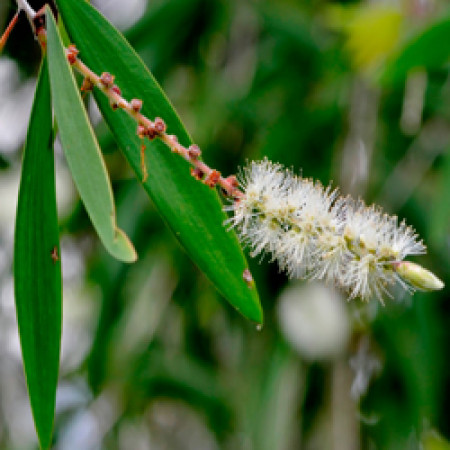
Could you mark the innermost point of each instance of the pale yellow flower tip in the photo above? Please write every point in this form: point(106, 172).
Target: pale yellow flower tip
point(418, 277)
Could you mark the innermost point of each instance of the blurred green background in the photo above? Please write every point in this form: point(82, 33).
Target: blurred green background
point(152, 356)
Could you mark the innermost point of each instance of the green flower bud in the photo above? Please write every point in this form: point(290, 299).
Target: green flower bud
point(418, 277)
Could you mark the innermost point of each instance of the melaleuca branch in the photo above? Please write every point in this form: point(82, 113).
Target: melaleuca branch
point(312, 231)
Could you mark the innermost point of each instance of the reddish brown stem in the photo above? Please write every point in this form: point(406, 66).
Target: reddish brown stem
point(8, 30)
point(152, 129)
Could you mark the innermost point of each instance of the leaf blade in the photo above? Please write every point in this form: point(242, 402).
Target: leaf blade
point(37, 280)
point(191, 210)
point(424, 49)
point(82, 152)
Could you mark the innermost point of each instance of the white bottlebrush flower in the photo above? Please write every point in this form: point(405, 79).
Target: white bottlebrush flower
point(313, 233)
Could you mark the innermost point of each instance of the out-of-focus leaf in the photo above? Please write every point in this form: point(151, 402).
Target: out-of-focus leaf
point(192, 210)
point(82, 151)
point(372, 31)
point(424, 50)
point(37, 268)
point(432, 440)
point(440, 219)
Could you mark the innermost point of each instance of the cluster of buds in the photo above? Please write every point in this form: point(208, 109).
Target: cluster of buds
point(114, 93)
point(151, 129)
point(72, 54)
point(314, 233)
point(210, 180)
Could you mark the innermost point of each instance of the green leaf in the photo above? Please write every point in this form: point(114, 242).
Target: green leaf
point(82, 151)
point(192, 210)
point(439, 223)
point(37, 269)
point(423, 50)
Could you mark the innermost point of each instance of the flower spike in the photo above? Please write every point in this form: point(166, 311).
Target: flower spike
point(315, 234)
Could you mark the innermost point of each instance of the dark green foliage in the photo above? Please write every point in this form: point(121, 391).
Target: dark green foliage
point(251, 79)
point(37, 265)
point(192, 210)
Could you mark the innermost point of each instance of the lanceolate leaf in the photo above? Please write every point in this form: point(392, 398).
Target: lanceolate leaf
point(192, 210)
point(37, 268)
point(423, 50)
point(82, 151)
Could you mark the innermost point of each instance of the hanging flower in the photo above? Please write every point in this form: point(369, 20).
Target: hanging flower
point(314, 233)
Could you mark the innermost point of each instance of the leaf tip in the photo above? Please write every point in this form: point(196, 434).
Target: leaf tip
point(123, 248)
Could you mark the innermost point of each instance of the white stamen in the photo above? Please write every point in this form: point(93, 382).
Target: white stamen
point(313, 233)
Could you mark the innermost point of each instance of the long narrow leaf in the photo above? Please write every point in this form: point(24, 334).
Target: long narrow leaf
point(423, 50)
point(192, 210)
point(82, 151)
point(37, 269)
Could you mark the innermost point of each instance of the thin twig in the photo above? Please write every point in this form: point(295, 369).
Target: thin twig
point(8, 30)
point(29, 11)
point(152, 129)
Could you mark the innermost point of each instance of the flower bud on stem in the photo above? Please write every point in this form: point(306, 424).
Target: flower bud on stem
point(417, 276)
